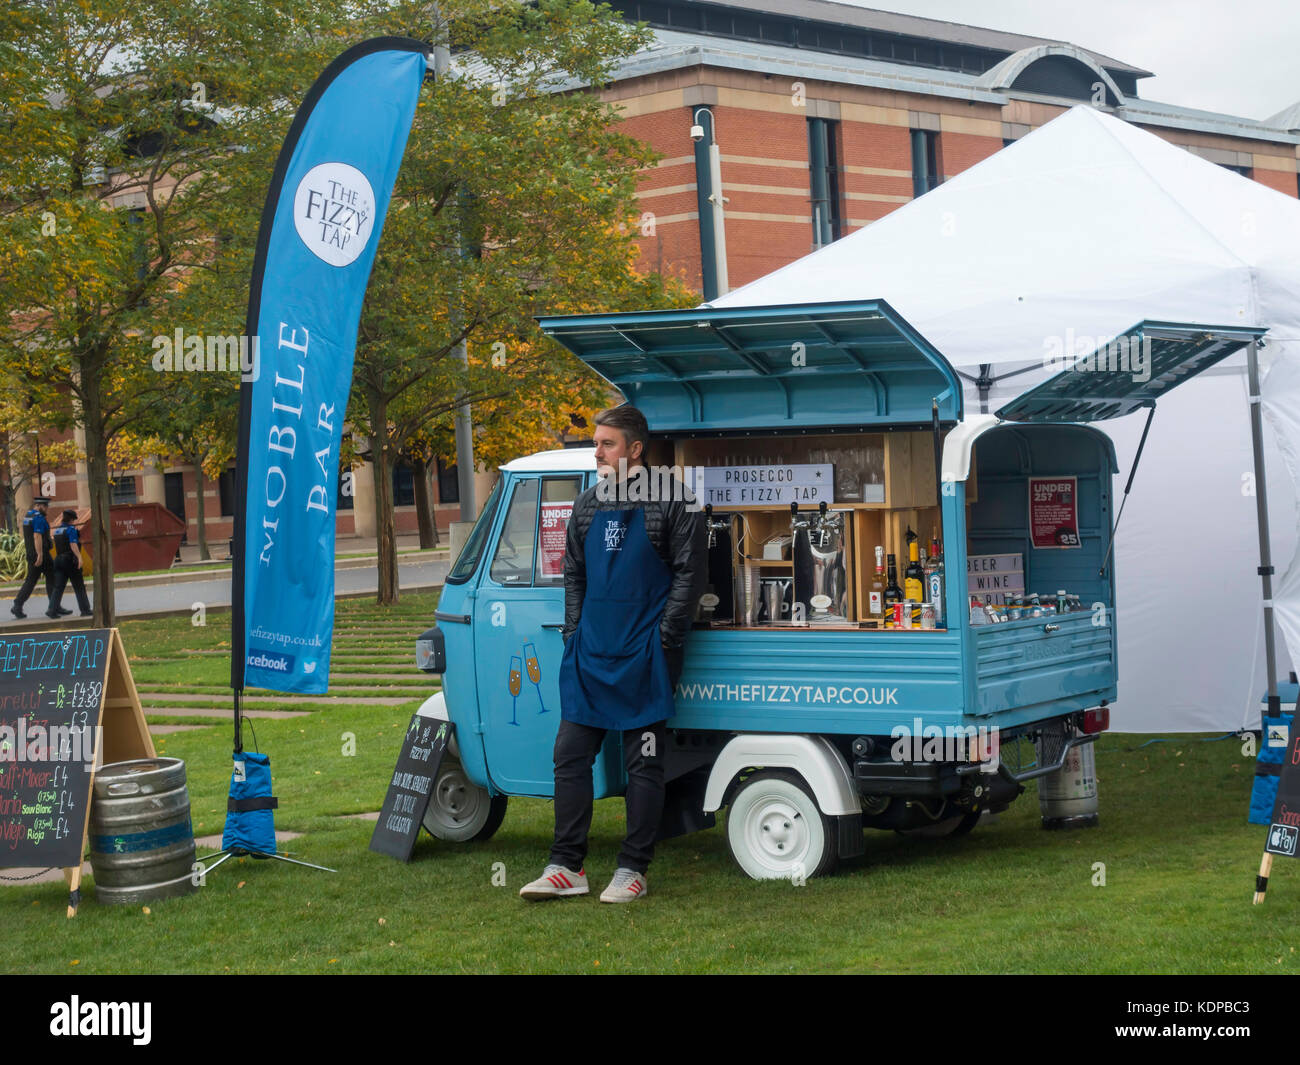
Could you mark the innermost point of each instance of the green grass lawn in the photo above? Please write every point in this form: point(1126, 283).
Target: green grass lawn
point(1179, 865)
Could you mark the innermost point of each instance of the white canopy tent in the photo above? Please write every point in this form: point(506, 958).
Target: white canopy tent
point(1073, 235)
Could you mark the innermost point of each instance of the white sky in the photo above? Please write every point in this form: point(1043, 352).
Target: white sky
point(1239, 57)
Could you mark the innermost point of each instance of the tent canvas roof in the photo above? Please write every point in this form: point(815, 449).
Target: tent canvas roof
point(1044, 251)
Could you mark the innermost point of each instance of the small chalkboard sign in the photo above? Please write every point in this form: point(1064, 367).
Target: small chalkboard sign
point(411, 787)
point(68, 705)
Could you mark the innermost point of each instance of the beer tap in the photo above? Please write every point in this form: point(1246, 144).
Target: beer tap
point(797, 521)
point(828, 525)
point(714, 525)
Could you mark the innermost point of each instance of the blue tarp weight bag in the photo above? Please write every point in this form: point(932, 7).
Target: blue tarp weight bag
point(250, 810)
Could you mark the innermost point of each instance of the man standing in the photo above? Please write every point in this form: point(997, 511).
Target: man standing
point(633, 568)
point(36, 537)
point(67, 567)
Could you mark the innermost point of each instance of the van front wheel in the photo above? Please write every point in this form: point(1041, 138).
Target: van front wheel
point(776, 830)
point(459, 810)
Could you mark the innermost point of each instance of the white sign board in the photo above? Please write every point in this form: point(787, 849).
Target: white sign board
point(994, 577)
point(742, 486)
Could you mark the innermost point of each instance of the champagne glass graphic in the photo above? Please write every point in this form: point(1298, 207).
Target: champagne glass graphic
point(534, 672)
point(516, 686)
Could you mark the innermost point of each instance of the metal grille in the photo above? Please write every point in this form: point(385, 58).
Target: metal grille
point(1052, 742)
point(1016, 753)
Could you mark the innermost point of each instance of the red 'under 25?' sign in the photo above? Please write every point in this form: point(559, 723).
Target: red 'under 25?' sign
point(1054, 511)
point(554, 529)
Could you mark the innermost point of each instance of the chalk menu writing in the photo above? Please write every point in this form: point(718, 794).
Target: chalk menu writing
point(410, 787)
point(51, 697)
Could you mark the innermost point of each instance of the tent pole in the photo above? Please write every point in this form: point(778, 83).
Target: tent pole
point(1261, 507)
point(1265, 570)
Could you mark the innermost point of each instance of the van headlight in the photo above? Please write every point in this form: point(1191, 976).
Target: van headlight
point(431, 651)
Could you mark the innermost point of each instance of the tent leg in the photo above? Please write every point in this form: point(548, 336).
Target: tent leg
point(1261, 507)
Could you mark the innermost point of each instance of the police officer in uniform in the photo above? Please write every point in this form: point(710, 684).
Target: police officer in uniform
point(67, 567)
point(36, 536)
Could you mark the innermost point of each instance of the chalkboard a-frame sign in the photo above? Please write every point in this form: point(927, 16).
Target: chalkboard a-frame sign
point(412, 783)
point(68, 705)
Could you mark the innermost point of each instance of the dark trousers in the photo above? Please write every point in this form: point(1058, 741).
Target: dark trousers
point(33, 572)
point(576, 747)
point(61, 578)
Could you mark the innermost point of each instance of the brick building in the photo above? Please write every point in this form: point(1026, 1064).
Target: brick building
point(827, 117)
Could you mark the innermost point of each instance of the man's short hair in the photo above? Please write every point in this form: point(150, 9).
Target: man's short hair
point(630, 421)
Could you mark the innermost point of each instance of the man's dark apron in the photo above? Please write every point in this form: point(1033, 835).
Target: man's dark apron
point(613, 674)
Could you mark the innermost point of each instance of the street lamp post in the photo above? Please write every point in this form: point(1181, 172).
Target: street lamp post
point(713, 227)
point(463, 420)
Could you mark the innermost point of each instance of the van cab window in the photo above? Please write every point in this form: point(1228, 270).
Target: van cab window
point(467, 561)
point(530, 551)
point(513, 562)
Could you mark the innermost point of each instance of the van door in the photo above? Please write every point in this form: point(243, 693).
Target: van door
point(517, 644)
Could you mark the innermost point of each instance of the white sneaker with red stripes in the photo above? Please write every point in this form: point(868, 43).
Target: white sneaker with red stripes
point(555, 882)
point(626, 886)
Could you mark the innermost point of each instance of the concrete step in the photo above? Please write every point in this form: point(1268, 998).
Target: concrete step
point(220, 715)
point(288, 700)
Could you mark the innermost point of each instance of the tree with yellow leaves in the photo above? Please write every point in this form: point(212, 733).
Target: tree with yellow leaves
point(134, 138)
point(514, 199)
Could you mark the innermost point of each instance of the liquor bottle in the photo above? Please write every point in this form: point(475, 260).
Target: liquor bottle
point(876, 609)
point(934, 580)
point(914, 578)
point(893, 593)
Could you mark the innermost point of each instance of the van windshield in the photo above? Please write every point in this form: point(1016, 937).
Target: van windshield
point(467, 561)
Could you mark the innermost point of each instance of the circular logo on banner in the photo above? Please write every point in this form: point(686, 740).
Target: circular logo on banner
point(334, 212)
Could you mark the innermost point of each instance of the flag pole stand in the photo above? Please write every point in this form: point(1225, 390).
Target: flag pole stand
point(250, 810)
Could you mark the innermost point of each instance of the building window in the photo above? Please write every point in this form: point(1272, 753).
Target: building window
point(823, 181)
point(448, 483)
point(121, 490)
point(403, 486)
point(1244, 171)
point(925, 161)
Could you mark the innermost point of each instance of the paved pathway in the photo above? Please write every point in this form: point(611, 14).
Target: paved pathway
point(213, 591)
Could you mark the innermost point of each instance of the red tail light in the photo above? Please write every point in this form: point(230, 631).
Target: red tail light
point(1096, 720)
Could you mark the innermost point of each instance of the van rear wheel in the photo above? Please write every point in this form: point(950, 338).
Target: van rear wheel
point(776, 830)
point(459, 810)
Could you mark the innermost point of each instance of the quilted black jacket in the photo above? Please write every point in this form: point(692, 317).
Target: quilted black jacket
point(676, 532)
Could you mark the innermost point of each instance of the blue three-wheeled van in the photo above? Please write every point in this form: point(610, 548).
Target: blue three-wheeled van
point(819, 696)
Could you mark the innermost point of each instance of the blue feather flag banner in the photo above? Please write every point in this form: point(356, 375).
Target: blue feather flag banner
point(319, 232)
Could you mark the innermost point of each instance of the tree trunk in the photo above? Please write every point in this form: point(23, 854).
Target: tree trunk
point(204, 554)
point(10, 511)
point(424, 505)
point(385, 538)
point(101, 529)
